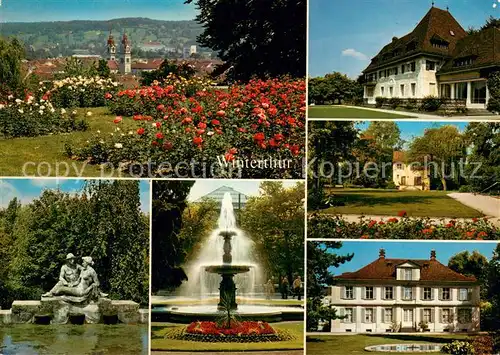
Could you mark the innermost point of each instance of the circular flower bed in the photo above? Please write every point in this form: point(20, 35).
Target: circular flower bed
point(327, 226)
point(240, 332)
point(252, 130)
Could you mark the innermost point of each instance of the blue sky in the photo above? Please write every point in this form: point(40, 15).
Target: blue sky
point(26, 190)
point(410, 129)
point(367, 251)
point(249, 188)
point(59, 10)
point(360, 29)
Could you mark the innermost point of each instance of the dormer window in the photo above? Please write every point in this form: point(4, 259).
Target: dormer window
point(465, 61)
point(411, 46)
point(438, 42)
point(408, 274)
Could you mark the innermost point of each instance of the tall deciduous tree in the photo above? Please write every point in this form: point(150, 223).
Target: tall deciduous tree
point(321, 257)
point(11, 55)
point(335, 88)
point(275, 222)
point(443, 149)
point(255, 38)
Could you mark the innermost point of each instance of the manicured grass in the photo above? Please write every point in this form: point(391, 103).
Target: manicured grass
point(349, 112)
point(158, 341)
point(19, 151)
point(355, 344)
point(173, 302)
point(390, 202)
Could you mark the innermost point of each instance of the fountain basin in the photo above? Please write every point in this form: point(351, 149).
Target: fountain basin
point(405, 348)
point(188, 314)
point(227, 269)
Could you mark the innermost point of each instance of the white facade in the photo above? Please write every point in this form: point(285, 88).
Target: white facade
point(401, 305)
point(411, 78)
point(406, 177)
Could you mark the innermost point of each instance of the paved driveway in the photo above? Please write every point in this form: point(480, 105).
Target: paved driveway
point(488, 205)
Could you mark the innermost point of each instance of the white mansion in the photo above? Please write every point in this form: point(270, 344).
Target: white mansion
point(438, 58)
point(403, 295)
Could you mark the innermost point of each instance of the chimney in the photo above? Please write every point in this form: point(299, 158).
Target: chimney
point(381, 254)
point(433, 254)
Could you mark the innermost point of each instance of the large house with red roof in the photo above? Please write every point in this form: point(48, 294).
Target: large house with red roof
point(438, 58)
point(405, 295)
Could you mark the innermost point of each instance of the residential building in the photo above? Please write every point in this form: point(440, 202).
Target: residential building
point(438, 58)
point(405, 295)
point(407, 175)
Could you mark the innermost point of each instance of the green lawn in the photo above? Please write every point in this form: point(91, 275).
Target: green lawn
point(355, 344)
point(390, 202)
point(18, 151)
point(349, 112)
point(158, 341)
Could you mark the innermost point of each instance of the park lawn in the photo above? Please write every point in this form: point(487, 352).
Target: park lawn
point(159, 342)
point(18, 151)
point(390, 202)
point(355, 344)
point(349, 112)
point(174, 302)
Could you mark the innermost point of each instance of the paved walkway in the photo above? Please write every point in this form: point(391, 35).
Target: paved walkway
point(428, 117)
point(488, 205)
point(284, 352)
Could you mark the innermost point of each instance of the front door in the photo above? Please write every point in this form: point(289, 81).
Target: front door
point(403, 180)
point(408, 316)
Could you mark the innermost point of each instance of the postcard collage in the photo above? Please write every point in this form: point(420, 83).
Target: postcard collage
point(267, 177)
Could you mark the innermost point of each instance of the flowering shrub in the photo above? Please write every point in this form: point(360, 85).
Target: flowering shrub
point(483, 345)
point(30, 117)
point(458, 348)
point(242, 332)
point(79, 91)
point(229, 132)
point(325, 226)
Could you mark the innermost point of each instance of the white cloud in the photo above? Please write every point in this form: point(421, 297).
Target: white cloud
point(354, 53)
point(47, 183)
point(8, 192)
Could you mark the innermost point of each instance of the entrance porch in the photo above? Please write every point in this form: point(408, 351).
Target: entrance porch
point(474, 92)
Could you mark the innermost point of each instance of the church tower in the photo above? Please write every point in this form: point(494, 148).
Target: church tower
point(125, 56)
point(111, 47)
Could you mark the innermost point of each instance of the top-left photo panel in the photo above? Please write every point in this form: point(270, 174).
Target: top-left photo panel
point(153, 88)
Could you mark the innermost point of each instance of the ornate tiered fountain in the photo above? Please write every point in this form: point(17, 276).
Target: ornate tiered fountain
point(227, 271)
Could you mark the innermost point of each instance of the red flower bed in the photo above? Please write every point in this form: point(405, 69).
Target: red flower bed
point(253, 122)
point(238, 329)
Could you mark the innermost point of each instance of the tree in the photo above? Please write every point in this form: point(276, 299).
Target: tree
point(386, 135)
point(335, 88)
point(11, 56)
point(168, 205)
point(474, 264)
point(491, 318)
point(103, 69)
point(274, 220)
point(442, 150)
point(320, 258)
point(483, 163)
point(255, 38)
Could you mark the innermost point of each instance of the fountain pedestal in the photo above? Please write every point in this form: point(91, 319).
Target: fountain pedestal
point(227, 287)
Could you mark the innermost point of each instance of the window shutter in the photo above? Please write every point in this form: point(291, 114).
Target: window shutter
point(383, 315)
point(343, 293)
point(354, 292)
point(469, 294)
point(440, 296)
point(433, 316)
point(354, 318)
point(342, 313)
point(422, 315)
point(375, 292)
point(363, 295)
point(440, 315)
point(374, 319)
point(413, 293)
point(363, 318)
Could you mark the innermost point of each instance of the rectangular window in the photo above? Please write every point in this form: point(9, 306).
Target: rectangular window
point(430, 65)
point(389, 293)
point(407, 293)
point(413, 89)
point(446, 294)
point(402, 90)
point(427, 293)
point(417, 180)
point(478, 92)
point(463, 294)
point(464, 315)
point(369, 315)
point(408, 315)
point(349, 292)
point(446, 313)
point(446, 91)
point(391, 89)
point(399, 166)
point(403, 68)
point(348, 315)
point(396, 71)
point(388, 315)
point(408, 274)
point(427, 315)
point(461, 91)
point(382, 91)
point(413, 66)
point(369, 293)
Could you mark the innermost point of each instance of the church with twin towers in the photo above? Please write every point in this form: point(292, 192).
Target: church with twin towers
point(120, 61)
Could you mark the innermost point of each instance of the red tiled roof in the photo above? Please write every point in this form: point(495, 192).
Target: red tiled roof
point(149, 65)
point(437, 24)
point(385, 269)
point(398, 156)
point(113, 65)
point(483, 47)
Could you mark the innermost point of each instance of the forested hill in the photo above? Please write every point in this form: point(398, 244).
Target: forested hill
point(51, 39)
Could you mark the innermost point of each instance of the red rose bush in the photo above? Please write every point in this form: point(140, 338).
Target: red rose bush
point(251, 130)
